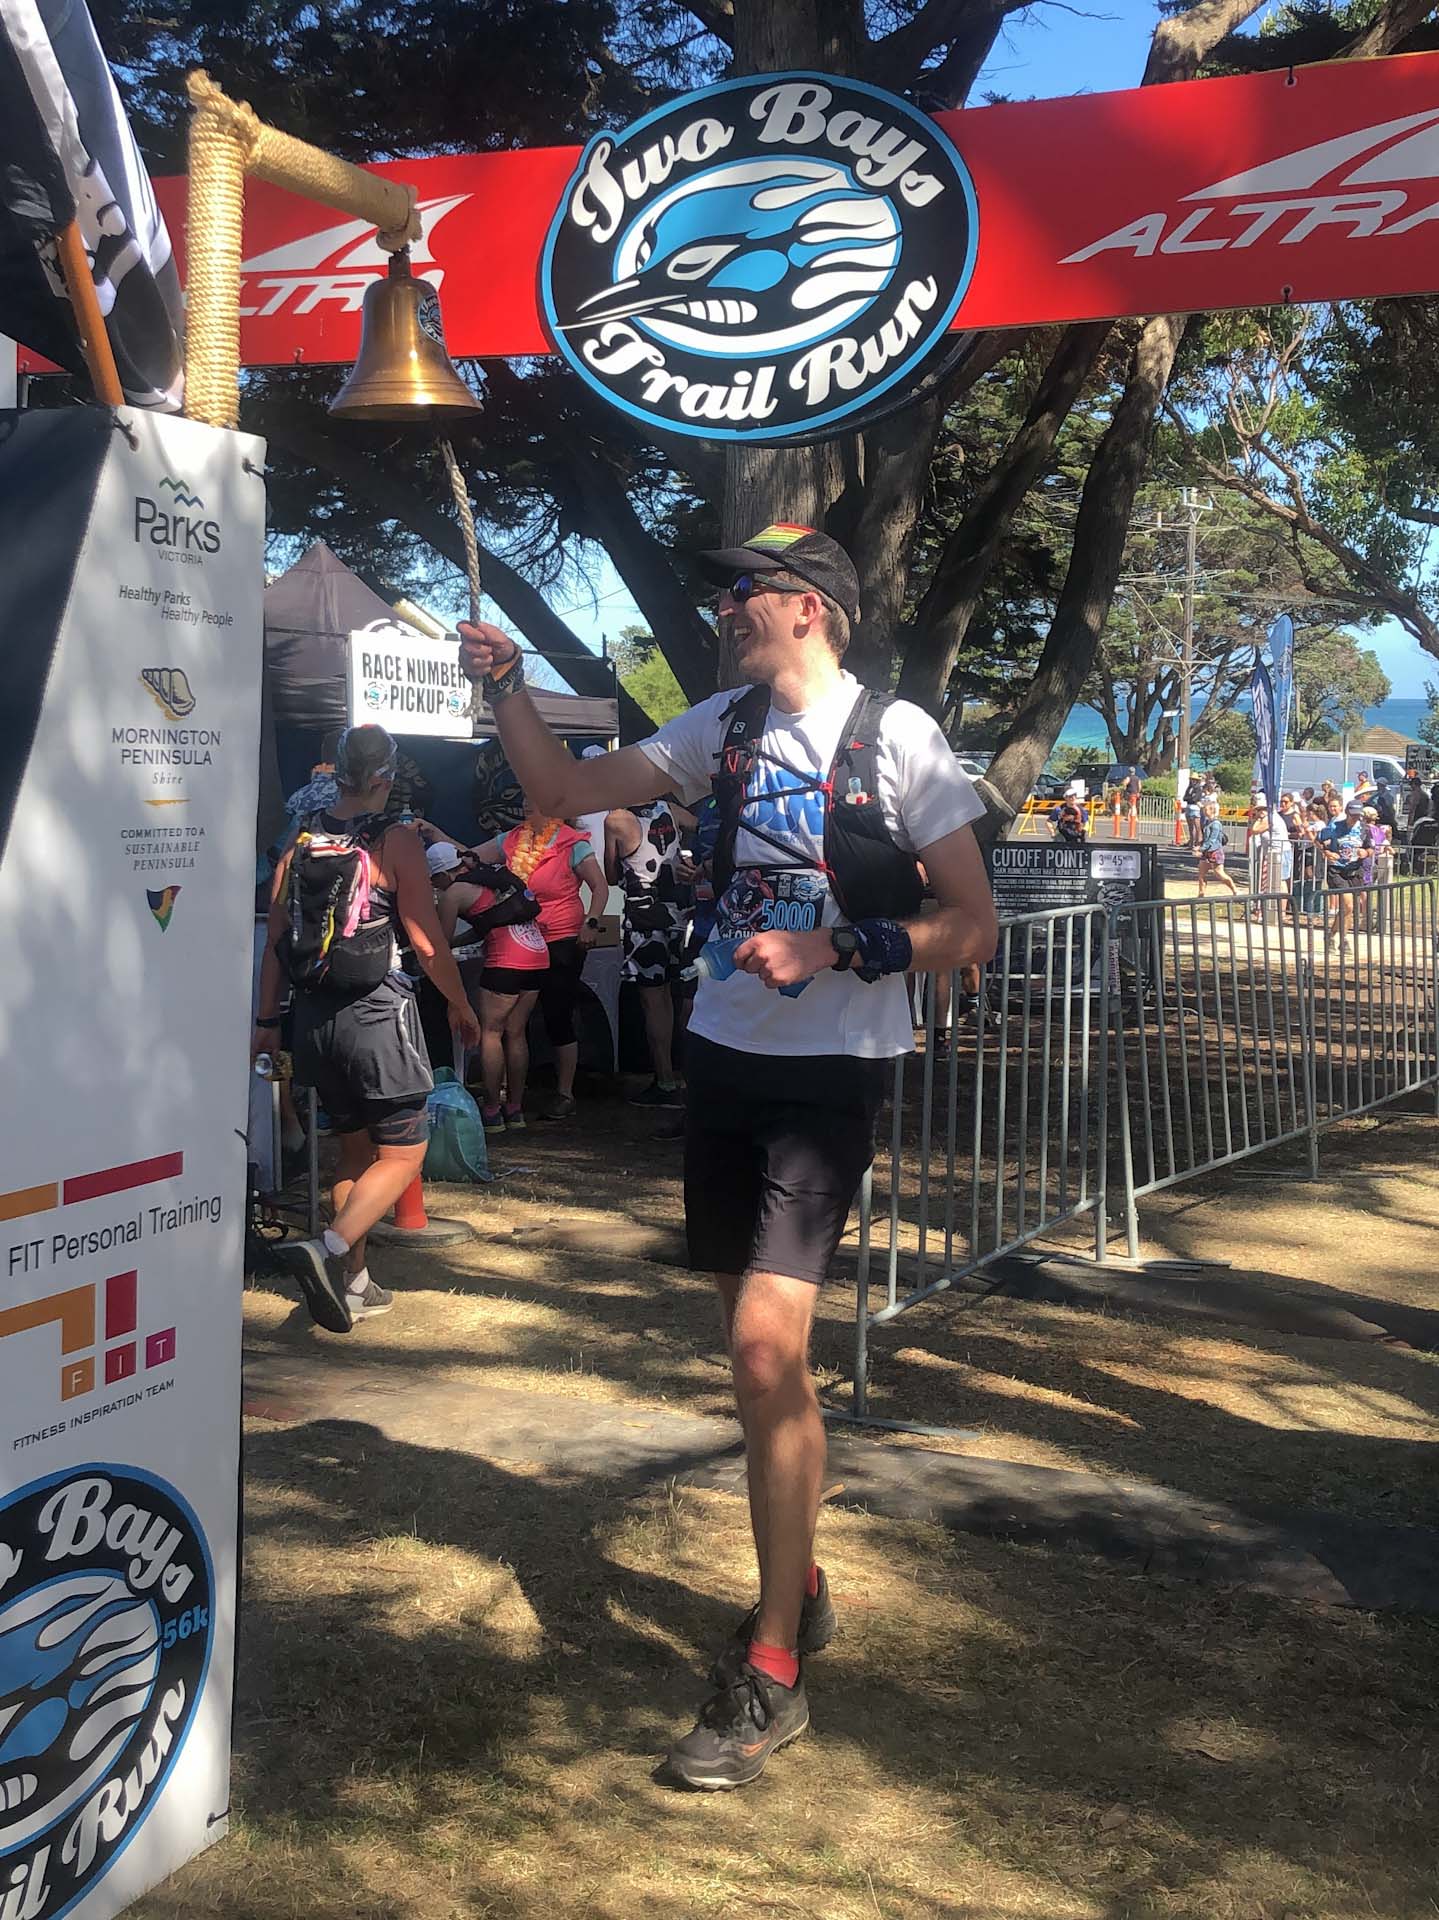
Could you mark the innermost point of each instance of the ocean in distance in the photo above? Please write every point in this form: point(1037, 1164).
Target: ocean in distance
point(1084, 728)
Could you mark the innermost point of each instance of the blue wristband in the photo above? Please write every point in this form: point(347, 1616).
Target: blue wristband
point(884, 947)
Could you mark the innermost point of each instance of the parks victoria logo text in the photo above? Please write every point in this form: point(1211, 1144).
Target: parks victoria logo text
point(762, 260)
point(106, 1603)
point(173, 522)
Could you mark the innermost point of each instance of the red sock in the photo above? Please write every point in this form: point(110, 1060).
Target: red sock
point(811, 1581)
point(775, 1661)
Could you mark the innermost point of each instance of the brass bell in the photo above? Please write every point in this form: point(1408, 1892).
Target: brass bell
point(403, 371)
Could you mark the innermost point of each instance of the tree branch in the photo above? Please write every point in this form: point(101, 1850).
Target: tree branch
point(1378, 588)
point(1183, 42)
point(716, 17)
point(1390, 30)
point(1100, 532)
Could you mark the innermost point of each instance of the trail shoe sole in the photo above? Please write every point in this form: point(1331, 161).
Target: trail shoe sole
point(746, 1719)
point(321, 1277)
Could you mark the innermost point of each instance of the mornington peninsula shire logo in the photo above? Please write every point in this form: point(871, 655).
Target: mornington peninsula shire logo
point(762, 260)
point(106, 1601)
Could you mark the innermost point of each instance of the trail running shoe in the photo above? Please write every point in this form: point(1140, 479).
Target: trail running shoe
point(818, 1624)
point(321, 1277)
point(369, 1301)
point(746, 1719)
point(654, 1095)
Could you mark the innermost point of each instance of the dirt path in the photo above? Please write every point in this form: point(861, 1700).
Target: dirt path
point(458, 1673)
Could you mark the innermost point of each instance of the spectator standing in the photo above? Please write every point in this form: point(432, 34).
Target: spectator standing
point(555, 860)
point(1133, 787)
point(516, 960)
point(1070, 824)
point(642, 853)
point(1194, 811)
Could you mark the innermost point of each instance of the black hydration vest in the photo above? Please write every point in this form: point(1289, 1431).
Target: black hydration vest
point(870, 875)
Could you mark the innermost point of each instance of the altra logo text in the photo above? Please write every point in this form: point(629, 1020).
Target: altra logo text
point(1365, 185)
point(336, 264)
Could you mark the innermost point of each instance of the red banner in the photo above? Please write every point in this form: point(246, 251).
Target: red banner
point(1316, 184)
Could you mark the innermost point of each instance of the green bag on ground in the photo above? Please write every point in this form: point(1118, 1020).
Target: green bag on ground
point(457, 1150)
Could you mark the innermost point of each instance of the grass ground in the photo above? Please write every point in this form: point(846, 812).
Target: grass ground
point(458, 1676)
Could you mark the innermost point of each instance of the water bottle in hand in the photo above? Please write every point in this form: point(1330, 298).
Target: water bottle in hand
point(716, 961)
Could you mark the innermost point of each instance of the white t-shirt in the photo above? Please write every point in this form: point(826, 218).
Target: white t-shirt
point(924, 796)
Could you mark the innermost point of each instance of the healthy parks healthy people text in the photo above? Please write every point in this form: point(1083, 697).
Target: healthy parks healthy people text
point(357, 1034)
point(827, 798)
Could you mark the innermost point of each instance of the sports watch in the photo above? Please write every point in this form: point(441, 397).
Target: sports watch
point(845, 942)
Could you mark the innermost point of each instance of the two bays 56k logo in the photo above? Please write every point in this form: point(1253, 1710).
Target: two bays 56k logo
point(106, 1601)
point(760, 261)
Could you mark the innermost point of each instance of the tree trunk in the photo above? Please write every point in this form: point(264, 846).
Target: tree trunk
point(1100, 533)
point(948, 606)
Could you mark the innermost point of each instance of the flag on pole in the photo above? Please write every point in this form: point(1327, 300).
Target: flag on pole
point(1261, 703)
point(1281, 652)
point(70, 157)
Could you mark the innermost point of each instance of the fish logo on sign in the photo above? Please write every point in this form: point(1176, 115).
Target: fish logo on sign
point(763, 260)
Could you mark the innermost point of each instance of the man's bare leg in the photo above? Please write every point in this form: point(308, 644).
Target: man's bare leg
point(769, 1328)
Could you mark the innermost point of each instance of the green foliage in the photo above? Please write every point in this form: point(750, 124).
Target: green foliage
point(1234, 777)
point(1429, 723)
point(645, 674)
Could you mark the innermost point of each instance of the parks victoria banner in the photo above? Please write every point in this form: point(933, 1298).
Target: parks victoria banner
point(132, 571)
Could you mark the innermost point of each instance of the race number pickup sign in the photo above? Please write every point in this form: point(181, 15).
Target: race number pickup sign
point(131, 559)
point(407, 685)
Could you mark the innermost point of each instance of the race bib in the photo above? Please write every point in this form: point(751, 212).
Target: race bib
point(769, 900)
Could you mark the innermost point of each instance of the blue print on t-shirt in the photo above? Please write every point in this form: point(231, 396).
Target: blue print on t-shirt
point(777, 805)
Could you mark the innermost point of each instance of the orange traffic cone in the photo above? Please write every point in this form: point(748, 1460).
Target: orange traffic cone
point(411, 1222)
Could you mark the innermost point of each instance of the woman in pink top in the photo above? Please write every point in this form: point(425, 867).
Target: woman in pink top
point(555, 860)
point(516, 960)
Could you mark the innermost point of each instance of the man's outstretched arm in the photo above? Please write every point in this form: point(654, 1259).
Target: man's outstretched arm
point(552, 779)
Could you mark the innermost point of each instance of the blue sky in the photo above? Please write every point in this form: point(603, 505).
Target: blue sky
point(1048, 51)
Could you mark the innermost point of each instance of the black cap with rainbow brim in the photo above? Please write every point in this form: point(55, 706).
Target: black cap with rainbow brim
point(783, 548)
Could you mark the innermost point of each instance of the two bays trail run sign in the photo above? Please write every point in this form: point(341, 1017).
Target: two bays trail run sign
point(823, 239)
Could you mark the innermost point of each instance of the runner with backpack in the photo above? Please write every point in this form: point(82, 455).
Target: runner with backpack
point(827, 797)
point(350, 886)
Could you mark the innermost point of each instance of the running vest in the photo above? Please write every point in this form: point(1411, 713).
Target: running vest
point(870, 875)
point(341, 932)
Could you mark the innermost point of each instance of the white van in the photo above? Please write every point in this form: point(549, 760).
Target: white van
point(1305, 769)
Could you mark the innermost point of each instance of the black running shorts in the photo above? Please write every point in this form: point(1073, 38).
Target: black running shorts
point(775, 1150)
point(366, 1060)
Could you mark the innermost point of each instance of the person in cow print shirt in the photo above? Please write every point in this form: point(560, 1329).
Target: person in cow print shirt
point(643, 856)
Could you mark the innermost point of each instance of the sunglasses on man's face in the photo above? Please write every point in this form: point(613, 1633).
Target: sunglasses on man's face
point(744, 585)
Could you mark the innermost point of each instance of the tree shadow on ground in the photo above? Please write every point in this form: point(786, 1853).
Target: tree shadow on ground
point(998, 1729)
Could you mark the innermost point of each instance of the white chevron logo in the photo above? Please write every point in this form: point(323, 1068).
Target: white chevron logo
point(335, 264)
point(1355, 186)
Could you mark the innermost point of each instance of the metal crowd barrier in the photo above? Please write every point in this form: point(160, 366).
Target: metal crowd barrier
point(1113, 1052)
point(997, 1130)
